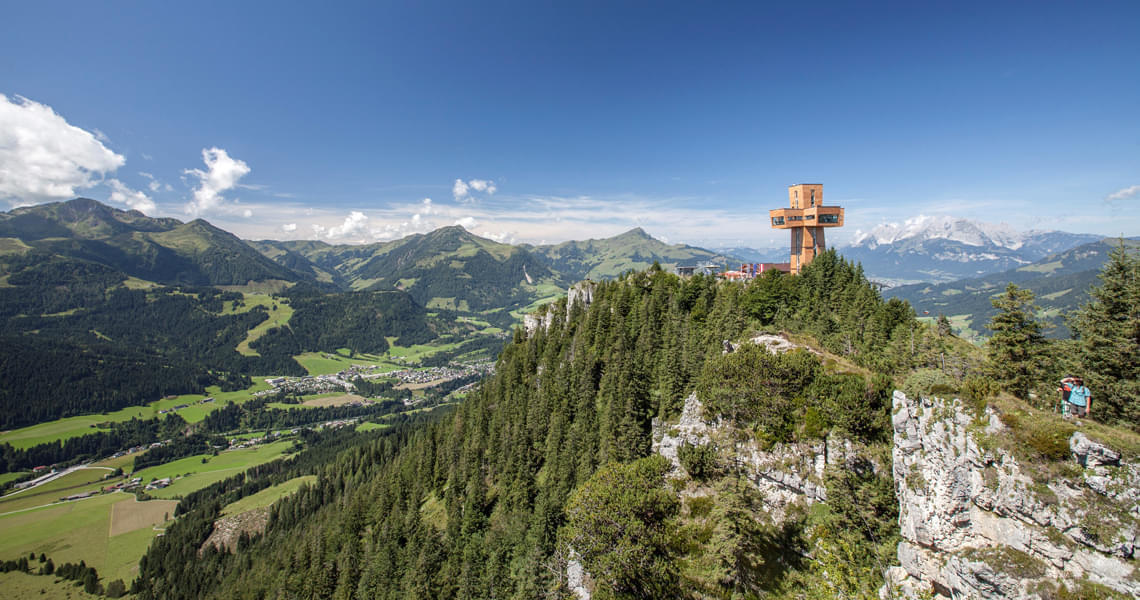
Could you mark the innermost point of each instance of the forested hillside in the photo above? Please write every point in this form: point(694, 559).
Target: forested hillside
point(159, 250)
point(488, 501)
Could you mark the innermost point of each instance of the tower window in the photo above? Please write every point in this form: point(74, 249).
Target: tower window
point(813, 197)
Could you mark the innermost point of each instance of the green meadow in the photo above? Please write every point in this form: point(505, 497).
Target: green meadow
point(75, 531)
point(279, 314)
point(268, 496)
point(69, 427)
point(21, 585)
point(191, 473)
point(76, 482)
point(112, 538)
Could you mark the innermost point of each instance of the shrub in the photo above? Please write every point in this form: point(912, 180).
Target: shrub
point(924, 383)
point(976, 390)
point(699, 460)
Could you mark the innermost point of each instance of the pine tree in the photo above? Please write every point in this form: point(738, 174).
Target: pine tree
point(1109, 331)
point(1017, 342)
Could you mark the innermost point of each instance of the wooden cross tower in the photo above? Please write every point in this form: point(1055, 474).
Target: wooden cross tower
point(806, 219)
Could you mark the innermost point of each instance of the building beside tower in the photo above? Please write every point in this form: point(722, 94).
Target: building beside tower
point(806, 218)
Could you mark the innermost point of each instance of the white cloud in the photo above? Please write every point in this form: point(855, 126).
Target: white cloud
point(1124, 194)
point(121, 194)
point(503, 237)
point(483, 186)
point(247, 213)
point(355, 224)
point(289, 227)
point(459, 190)
point(222, 173)
point(43, 157)
point(467, 223)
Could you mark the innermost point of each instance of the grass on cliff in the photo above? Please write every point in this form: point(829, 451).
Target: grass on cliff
point(1043, 436)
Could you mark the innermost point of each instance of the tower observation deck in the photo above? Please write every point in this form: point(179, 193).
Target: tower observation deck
point(806, 219)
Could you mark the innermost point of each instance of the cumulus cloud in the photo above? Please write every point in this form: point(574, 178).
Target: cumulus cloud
point(247, 213)
point(43, 157)
point(137, 200)
point(1124, 194)
point(289, 227)
point(467, 223)
point(461, 190)
point(355, 224)
point(222, 173)
point(480, 185)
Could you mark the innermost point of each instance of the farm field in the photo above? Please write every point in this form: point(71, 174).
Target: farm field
point(69, 427)
point(192, 474)
point(320, 400)
point(268, 496)
point(371, 426)
point(109, 532)
point(112, 531)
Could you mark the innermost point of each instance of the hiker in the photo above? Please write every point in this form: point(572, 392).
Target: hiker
point(1080, 399)
point(1065, 389)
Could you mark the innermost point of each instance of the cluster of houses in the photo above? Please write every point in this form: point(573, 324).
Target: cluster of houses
point(439, 374)
point(309, 384)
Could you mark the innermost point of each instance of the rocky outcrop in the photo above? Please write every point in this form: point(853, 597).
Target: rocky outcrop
point(583, 292)
point(228, 529)
point(785, 474)
point(975, 524)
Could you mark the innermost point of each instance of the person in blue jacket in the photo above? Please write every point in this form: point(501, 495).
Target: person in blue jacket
point(1080, 399)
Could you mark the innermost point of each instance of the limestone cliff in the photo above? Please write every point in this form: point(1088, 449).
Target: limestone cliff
point(977, 522)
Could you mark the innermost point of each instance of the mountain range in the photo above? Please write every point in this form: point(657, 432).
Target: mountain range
point(453, 269)
point(449, 268)
point(941, 249)
point(1060, 284)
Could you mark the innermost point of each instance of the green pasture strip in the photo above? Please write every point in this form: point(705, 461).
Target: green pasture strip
point(77, 482)
point(372, 426)
point(193, 474)
point(268, 496)
point(69, 427)
point(278, 317)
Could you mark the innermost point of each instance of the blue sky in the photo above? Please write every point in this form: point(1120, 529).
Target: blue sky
point(354, 122)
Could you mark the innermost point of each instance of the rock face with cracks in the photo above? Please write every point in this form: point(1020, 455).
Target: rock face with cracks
point(976, 525)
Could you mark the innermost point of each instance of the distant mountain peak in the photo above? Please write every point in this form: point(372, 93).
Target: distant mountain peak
point(945, 227)
point(636, 233)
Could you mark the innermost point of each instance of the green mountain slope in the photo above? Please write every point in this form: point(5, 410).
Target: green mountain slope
point(610, 257)
point(1059, 282)
point(161, 250)
point(448, 268)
